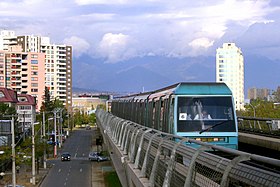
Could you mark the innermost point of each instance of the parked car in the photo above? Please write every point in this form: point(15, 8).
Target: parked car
point(96, 156)
point(65, 156)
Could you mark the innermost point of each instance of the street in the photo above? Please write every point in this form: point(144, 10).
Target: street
point(76, 172)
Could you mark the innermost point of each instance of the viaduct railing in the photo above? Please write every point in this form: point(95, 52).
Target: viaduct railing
point(147, 157)
point(259, 125)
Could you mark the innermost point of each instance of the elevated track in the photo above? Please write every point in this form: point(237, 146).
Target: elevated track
point(147, 157)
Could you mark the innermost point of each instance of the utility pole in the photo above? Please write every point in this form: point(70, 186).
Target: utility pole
point(68, 121)
point(23, 126)
point(44, 140)
point(60, 122)
point(33, 152)
point(55, 148)
point(13, 153)
point(13, 149)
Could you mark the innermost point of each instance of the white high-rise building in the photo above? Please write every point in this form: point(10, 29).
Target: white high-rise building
point(230, 70)
point(7, 39)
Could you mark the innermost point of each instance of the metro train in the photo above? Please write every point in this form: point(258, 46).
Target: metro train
point(202, 111)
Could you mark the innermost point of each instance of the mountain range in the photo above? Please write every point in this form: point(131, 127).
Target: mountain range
point(154, 72)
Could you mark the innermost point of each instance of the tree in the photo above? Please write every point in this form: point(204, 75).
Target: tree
point(47, 104)
point(263, 109)
point(5, 109)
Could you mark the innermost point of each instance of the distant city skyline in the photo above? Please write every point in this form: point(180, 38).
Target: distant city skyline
point(117, 31)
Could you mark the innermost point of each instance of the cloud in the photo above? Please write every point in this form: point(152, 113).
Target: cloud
point(160, 27)
point(88, 2)
point(116, 47)
point(80, 45)
point(201, 43)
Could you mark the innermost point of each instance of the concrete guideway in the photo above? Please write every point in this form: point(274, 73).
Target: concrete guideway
point(146, 157)
point(262, 141)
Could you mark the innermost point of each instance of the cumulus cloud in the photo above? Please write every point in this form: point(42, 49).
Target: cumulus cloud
point(116, 47)
point(201, 43)
point(80, 45)
point(158, 27)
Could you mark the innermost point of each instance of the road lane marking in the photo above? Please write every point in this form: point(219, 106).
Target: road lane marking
point(75, 155)
point(81, 170)
point(59, 170)
point(65, 184)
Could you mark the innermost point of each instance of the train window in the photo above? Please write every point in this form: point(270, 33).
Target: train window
point(198, 113)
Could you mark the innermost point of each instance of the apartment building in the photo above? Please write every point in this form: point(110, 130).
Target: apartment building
point(230, 70)
point(258, 93)
point(23, 72)
point(57, 62)
point(58, 72)
point(26, 110)
point(7, 39)
point(58, 65)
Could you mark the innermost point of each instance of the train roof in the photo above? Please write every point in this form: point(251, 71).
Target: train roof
point(183, 88)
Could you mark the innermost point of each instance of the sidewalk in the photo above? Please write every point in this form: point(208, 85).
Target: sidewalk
point(23, 177)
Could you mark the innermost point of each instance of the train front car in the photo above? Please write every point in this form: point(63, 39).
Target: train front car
point(205, 112)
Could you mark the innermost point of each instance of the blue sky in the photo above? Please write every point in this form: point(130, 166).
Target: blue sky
point(118, 30)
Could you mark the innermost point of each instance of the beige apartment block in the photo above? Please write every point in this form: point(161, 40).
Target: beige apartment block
point(58, 65)
point(23, 72)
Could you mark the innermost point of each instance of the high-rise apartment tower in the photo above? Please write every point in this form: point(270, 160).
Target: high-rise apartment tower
point(230, 70)
point(58, 65)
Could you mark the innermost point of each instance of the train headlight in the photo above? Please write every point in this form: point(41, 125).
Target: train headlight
point(216, 139)
point(221, 139)
point(198, 139)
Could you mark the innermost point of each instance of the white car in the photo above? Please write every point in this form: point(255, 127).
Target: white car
point(95, 156)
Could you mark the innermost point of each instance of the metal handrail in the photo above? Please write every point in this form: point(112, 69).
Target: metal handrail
point(204, 169)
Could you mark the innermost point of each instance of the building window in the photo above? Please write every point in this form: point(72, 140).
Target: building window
point(34, 73)
point(34, 78)
point(34, 61)
point(34, 90)
point(34, 56)
point(34, 67)
point(34, 84)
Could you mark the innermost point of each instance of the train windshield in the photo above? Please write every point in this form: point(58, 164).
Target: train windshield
point(199, 114)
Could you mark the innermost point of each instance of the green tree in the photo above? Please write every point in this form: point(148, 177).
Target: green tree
point(263, 109)
point(92, 118)
point(5, 109)
point(47, 104)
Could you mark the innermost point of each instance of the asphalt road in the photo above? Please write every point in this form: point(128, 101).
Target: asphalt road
point(76, 172)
